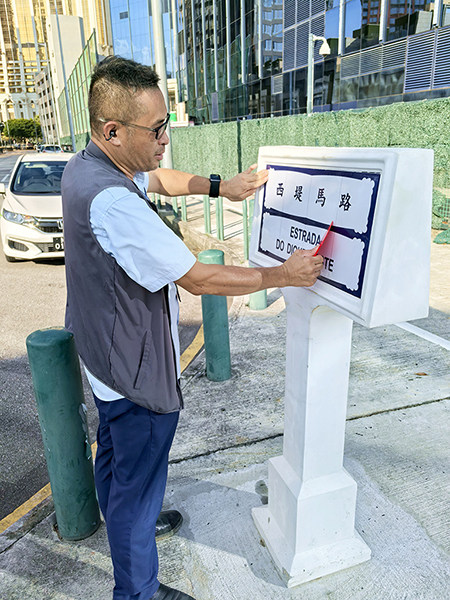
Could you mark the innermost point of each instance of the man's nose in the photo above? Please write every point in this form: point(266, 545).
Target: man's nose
point(164, 140)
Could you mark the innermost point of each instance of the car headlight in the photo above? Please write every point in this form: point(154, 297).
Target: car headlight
point(18, 218)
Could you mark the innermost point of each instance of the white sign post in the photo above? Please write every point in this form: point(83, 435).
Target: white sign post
point(376, 271)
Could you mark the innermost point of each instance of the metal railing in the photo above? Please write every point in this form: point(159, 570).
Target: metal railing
point(183, 204)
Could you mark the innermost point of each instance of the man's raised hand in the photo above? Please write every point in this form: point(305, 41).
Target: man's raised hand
point(244, 184)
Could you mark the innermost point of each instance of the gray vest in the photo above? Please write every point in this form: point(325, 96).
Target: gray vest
point(121, 330)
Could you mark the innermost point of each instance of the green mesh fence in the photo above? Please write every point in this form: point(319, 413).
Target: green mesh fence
point(229, 147)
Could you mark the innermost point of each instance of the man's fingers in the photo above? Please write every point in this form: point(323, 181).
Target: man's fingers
point(263, 174)
point(260, 177)
point(309, 252)
point(244, 184)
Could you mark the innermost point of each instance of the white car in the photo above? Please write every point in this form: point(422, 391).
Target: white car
point(31, 224)
point(50, 148)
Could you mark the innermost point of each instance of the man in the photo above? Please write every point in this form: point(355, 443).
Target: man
point(121, 265)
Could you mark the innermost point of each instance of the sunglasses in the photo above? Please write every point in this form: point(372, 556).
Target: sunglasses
point(158, 131)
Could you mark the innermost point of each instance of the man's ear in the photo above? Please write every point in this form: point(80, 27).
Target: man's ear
point(110, 132)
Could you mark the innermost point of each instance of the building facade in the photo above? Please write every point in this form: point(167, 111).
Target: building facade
point(47, 107)
point(24, 46)
point(132, 37)
point(132, 31)
point(248, 58)
point(78, 83)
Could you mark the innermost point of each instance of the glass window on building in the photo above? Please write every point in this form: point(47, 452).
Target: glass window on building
point(272, 37)
point(370, 24)
point(251, 44)
point(235, 43)
point(445, 15)
point(266, 94)
point(352, 27)
point(361, 30)
point(398, 17)
point(139, 24)
point(235, 10)
point(254, 93)
point(221, 23)
point(369, 86)
point(235, 63)
point(209, 42)
point(199, 54)
point(421, 16)
point(299, 90)
point(121, 33)
point(332, 25)
point(408, 17)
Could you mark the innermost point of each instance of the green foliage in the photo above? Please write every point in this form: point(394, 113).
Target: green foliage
point(22, 129)
point(443, 237)
point(441, 210)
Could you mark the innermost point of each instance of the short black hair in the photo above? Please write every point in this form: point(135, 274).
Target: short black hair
point(114, 84)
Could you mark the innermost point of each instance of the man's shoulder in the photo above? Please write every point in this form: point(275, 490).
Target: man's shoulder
point(87, 176)
point(111, 194)
point(119, 203)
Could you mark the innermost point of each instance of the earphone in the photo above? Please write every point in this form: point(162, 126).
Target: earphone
point(111, 135)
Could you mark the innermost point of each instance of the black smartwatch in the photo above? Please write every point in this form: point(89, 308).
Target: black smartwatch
point(215, 185)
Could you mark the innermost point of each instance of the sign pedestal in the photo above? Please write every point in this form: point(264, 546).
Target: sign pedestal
point(309, 522)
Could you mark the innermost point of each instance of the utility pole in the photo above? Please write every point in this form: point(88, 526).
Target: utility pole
point(324, 51)
point(7, 119)
point(66, 91)
point(161, 69)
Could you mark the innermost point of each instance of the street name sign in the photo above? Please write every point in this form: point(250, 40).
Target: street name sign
point(377, 253)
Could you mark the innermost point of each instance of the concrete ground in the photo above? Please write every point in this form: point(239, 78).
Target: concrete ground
point(396, 450)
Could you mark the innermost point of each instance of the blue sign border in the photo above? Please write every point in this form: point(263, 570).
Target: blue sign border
point(350, 233)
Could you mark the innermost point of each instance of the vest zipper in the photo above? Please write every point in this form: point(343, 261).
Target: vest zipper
point(166, 296)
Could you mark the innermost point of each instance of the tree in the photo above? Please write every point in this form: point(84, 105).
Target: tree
point(22, 129)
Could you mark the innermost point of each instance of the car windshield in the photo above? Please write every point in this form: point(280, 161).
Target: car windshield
point(52, 148)
point(38, 177)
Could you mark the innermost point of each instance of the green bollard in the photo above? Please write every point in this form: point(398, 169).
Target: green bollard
point(258, 300)
point(215, 326)
point(55, 370)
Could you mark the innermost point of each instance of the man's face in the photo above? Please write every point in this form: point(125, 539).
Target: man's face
point(141, 150)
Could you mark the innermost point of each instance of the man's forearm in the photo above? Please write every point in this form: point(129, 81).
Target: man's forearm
point(231, 281)
point(301, 269)
point(170, 182)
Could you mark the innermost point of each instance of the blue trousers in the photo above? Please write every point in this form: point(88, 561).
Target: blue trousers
point(130, 476)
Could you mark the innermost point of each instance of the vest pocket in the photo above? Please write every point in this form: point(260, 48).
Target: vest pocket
point(143, 363)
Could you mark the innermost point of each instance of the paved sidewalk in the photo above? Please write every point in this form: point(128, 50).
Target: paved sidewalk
point(396, 449)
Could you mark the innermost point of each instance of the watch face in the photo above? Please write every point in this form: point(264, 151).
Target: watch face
point(214, 185)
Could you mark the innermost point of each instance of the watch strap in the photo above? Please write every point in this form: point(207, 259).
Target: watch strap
point(214, 187)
